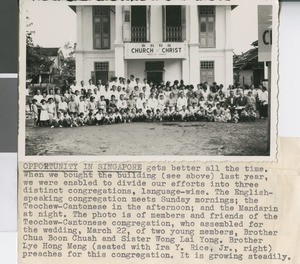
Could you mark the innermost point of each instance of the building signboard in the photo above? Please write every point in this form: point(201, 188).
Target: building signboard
point(155, 50)
point(264, 33)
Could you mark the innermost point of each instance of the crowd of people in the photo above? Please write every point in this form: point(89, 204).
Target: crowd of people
point(132, 100)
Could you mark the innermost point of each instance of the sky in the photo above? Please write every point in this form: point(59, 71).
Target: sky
point(54, 24)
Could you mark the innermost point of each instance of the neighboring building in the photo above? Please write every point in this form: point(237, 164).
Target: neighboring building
point(158, 42)
point(247, 69)
point(46, 74)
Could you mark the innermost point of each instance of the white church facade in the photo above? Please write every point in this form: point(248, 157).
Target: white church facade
point(157, 42)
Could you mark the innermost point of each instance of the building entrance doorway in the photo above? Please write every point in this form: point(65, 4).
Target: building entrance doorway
point(155, 77)
point(154, 70)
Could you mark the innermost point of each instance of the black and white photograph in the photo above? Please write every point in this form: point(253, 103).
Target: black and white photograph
point(111, 79)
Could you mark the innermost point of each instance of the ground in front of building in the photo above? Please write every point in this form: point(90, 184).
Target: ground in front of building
point(172, 138)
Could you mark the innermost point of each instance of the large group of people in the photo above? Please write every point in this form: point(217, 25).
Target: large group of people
point(132, 100)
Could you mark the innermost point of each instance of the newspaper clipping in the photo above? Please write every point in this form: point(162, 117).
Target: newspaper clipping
point(148, 133)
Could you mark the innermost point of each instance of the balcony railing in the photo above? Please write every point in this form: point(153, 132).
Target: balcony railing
point(138, 34)
point(174, 34)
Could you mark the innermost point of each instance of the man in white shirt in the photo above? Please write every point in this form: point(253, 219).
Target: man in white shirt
point(114, 82)
point(263, 98)
point(82, 87)
point(140, 101)
point(105, 92)
point(38, 97)
point(140, 85)
point(132, 83)
point(91, 85)
point(100, 86)
point(145, 83)
point(114, 92)
point(74, 87)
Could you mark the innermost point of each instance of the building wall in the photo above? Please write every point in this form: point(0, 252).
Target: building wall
point(220, 27)
point(220, 62)
point(156, 24)
point(85, 53)
point(188, 69)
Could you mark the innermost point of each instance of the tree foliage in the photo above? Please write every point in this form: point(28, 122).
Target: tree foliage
point(37, 61)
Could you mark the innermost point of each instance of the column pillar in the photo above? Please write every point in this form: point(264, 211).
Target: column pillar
point(194, 24)
point(228, 43)
point(228, 68)
point(119, 45)
point(79, 45)
point(194, 70)
point(228, 48)
point(185, 71)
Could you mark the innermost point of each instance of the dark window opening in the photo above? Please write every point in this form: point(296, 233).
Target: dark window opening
point(138, 24)
point(173, 24)
point(101, 71)
point(154, 70)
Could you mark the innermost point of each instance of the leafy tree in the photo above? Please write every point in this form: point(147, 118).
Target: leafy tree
point(37, 61)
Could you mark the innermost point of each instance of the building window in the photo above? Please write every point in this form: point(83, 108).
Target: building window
point(138, 24)
point(207, 71)
point(172, 23)
point(101, 23)
point(101, 71)
point(207, 21)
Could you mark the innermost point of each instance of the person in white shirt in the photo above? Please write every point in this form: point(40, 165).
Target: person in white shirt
point(132, 83)
point(140, 85)
point(74, 87)
point(114, 92)
point(181, 101)
point(152, 103)
point(121, 103)
point(96, 95)
point(80, 88)
point(76, 97)
point(145, 83)
point(91, 85)
point(38, 97)
point(50, 95)
point(82, 106)
point(63, 105)
point(105, 92)
point(114, 82)
point(122, 83)
point(146, 93)
point(140, 101)
point(161, 102)
point(100, 86)
point(263, 98)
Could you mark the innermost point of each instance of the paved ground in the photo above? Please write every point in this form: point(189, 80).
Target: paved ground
point(187, 138)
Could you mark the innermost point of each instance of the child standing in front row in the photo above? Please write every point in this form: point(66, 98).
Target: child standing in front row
point(44, 113)
point(35, 112)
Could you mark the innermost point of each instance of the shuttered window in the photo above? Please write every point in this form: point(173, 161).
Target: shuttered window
point(101, 27)
point(207, 25)
point(207, 71)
